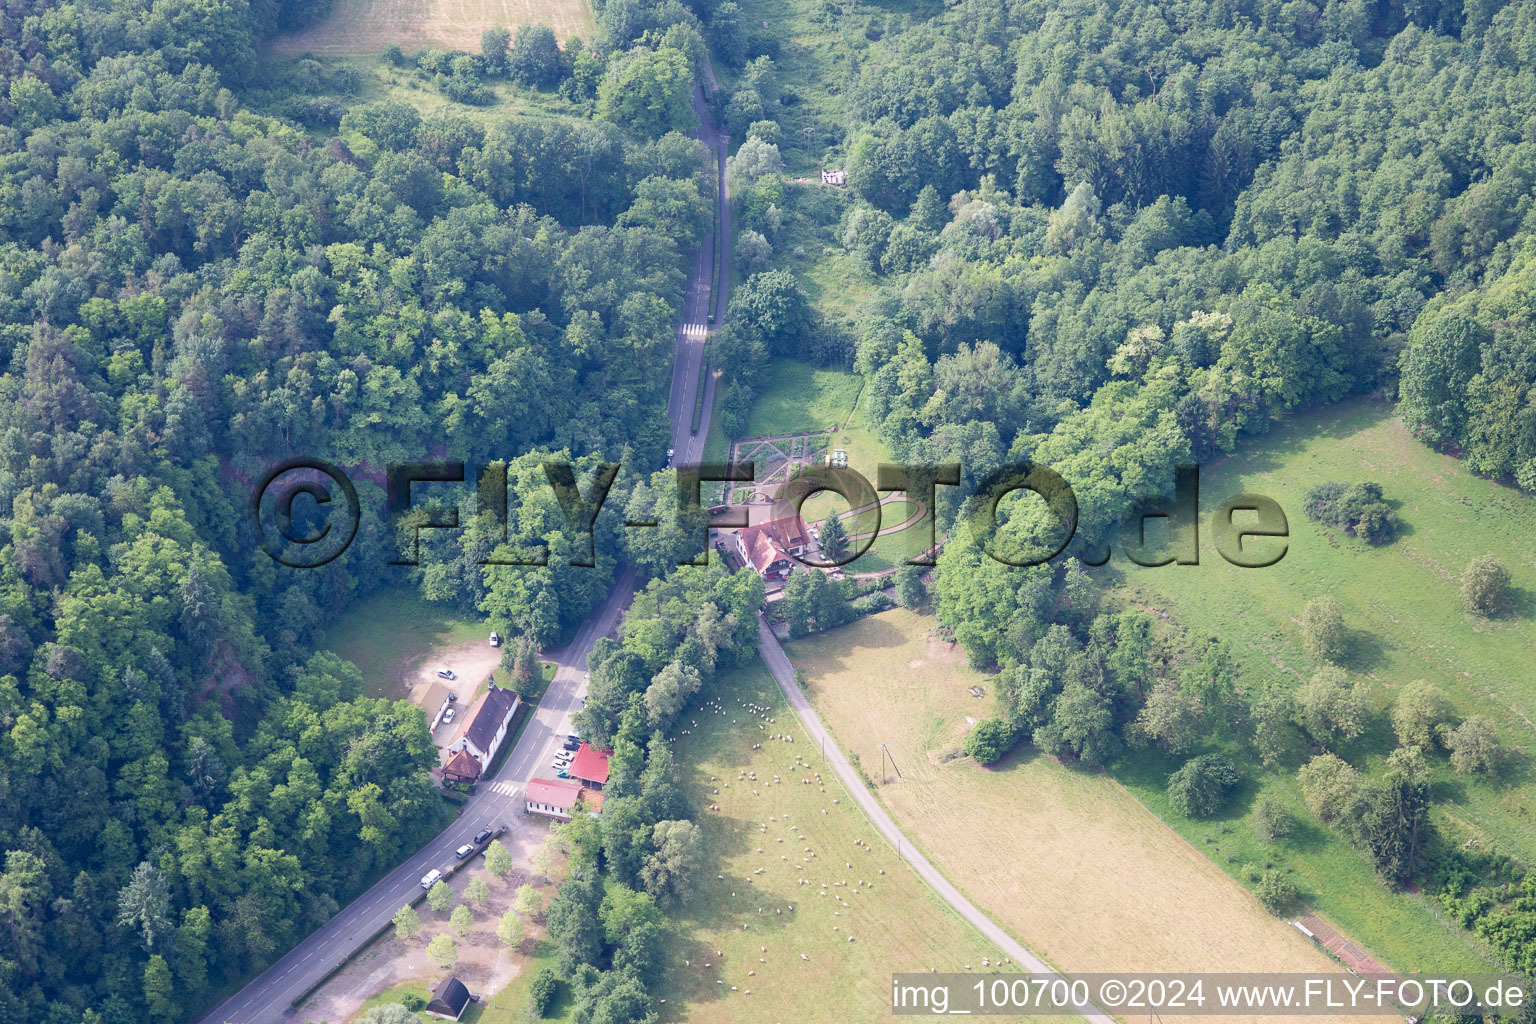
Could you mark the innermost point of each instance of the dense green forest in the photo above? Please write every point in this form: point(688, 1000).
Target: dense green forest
point(210, 262)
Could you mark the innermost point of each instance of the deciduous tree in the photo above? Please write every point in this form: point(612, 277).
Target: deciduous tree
point(1485, 586)
point(498, 860)
point(1200, 787)
point(407, 922)
point(1419, 714)
point(1329, 708)
point(440, 896)
point(1322, 629)
point(1475, 747)
point(443, 951)
point(509, 929)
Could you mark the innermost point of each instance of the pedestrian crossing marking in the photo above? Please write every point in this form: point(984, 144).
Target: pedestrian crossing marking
point(504, 788)
point(695, 331)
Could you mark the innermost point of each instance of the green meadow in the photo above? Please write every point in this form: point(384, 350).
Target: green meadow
point(1403, 610)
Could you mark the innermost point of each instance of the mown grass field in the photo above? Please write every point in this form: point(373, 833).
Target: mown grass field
point(896, 924)
point(366, 27)
point(1402, 606)
point(388, 636)
point(1067, 860)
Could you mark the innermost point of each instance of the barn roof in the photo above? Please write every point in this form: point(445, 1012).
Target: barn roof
point(590, 765)
point(449, 998)
point(494, 710)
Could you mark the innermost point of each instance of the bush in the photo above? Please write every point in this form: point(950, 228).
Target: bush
point(541, 991)
point(1485, 586)
point(1199, 788)
point(768, 130)
point(413, 1002)
point(1358, 510)
point(1420, 714)
point(989, 741)
point(1322, 630)
point(1475, 747)
point(910, 589)
point(1276, 892)
point(1271, 820)
point(871, 603)
point(753, 253)
point(1329, 708)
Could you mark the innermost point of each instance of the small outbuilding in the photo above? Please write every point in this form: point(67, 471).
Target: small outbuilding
point(462, 767)
point(449, 999)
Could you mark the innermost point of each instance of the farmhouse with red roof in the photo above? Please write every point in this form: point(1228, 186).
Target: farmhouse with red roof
point(768, 547)
point(590, 766)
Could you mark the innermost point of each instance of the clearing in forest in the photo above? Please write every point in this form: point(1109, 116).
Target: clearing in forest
point(1405, 621)
point(773, 824)
point(1065, 859)
point(366, 27)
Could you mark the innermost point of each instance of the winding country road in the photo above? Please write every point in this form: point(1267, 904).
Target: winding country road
point(773, 655)
point(268, 999)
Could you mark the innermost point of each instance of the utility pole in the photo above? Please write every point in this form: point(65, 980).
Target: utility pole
point(885, 752)
point(808, 130)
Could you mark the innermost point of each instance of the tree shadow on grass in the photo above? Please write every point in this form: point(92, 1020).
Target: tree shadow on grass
point(1307, 836)
point(1515, 771)
point(1364, 650)
point(1520, 604)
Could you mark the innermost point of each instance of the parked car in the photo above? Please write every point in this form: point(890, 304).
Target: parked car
point(464, 851)
point(429, 879)
point(575, 737)
point(495, 640)
point(572, 745)
point(484, 834)
point(444, 673)
point(448, 715)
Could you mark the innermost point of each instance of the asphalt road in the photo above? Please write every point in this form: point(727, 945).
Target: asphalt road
point(772, 653)
point(268, 999)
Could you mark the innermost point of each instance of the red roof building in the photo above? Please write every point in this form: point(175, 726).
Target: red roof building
point(590, 766)
point(768, 547)
point(557, 798)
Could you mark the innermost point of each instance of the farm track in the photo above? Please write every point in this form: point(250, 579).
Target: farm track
point(773, 655)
